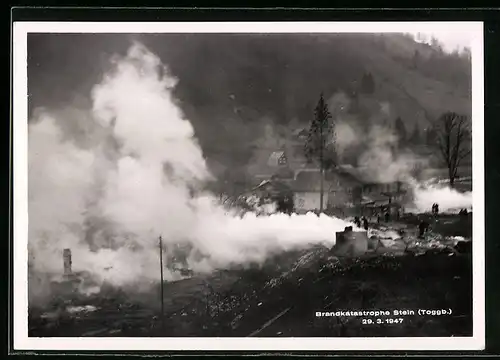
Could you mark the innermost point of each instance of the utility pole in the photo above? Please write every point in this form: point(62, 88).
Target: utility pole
point(161, 281)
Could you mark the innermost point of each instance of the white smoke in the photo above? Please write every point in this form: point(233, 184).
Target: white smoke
point(448, 199)
point(142, 177)
point(345, 137)
point(383, 161)
point(385, 109)
point(60, 179)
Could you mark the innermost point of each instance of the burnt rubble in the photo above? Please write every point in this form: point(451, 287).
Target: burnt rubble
point(391, 269)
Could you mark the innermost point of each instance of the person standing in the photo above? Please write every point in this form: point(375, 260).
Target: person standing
point(423, 227)
point(365, 223)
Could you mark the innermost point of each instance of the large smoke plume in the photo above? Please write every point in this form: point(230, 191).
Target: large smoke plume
point(134, 173)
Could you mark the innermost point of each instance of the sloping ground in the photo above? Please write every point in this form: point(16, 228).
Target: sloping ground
point(282, 297)
point(239, 83)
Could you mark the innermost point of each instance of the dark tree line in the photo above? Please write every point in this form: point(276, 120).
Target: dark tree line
point(367, 83)
point(401, 132)
point(417, 136)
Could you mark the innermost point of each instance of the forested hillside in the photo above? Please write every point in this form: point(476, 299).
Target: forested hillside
point(232, 86)
point(241, 84)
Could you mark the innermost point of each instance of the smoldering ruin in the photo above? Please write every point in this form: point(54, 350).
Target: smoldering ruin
point(250, 257)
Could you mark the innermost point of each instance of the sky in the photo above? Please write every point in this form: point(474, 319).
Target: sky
point(450, 40)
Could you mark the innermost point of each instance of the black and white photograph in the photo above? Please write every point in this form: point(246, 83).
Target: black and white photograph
point(248, 186)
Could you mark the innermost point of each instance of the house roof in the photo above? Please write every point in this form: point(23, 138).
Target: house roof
point(275, 155)
point(375, 199)
point(300, 132)
point(263, 183)
point(381, 203)
point(310, 181)
point(355, 174)
point(275, 186)
point(350, 174)
point(265, 163)
point(361, 175)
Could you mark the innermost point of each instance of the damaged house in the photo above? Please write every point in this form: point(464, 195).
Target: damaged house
point(276, 191)
point(347, 192)
point(379, 196)
point(340, 191)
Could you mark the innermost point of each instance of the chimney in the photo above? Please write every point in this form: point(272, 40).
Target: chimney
point(67, 261)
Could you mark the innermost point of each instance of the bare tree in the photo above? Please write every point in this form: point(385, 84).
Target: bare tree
point(453, 140)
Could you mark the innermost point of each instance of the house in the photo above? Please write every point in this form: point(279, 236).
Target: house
point(307, 191)
point(277, 158)
point(346, 191)
point(345, 187)
point(264, 189)
point(271, 188)
point(276, 191)
point(267, 164)
point(300, 134)
point(280, 159)
point(340, 190)
point(379, 196)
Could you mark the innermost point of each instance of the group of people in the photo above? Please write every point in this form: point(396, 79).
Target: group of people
point(359, 221)
point(363, 221)
point(435, 209)
point(387, 217)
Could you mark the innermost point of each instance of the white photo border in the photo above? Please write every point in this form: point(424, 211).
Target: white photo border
point(21, 340)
